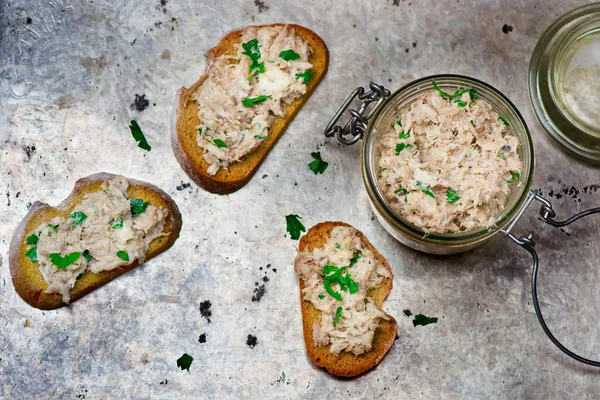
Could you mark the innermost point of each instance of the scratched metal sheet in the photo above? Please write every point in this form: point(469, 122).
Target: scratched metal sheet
point(69, 73)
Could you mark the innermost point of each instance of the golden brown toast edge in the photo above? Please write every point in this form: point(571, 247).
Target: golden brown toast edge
point(26, 277)
point(183, 138)
point(346, 364)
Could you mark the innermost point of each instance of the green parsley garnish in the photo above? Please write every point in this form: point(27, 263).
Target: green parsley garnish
point(399, 123)
point(401, 191)
point(425, 189)
point(86, 254)
point(337, 272)
point(331, 292)
point(402, 146)
point(338, 316)
point(53, 227)
point(289, 55)
point(337, 246)
point(514, 174)
point(294, 226)
point(305, 76)
point(472, 123)
point(452, 196)
point(460, 103)
point(321, 296)
point(355, 259)
point(259, 137)
point(78, 277)
point(252, 101)
point(185, 361)
point(404, 135)
point(327, 269)
point(32, 254)
point(473, 94)
point(504, 121)
point(346, 282)
point(318, 166)
point(138, 135)
point(123, 255)
point(64, 262)
point(200, 131)
point(138, 206)
point(220, 144)
point(78, 217)
point(32, 239)
point(502, 156)
point(116, 225)
point(422, 320)
point(251, 50)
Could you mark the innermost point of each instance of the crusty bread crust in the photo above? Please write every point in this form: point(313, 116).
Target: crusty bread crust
point(183, 138)
point(26, 276)
point(346, 364)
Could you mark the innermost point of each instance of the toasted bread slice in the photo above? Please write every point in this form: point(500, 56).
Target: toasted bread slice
point(26, 276)
point(183, 138)
point(346, 364)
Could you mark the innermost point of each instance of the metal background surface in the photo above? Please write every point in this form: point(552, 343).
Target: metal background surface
point(69, 71)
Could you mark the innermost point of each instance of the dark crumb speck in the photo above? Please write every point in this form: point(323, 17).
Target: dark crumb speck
point(264, 176)
point(259, 292)
point(265, 279)
point(275, 270)
point(252, 341)
point(183, 186)
point(262, 6)
point(414, 44)
point(28, 21)
point(507, 28)
point(406, 50)
point(407, 312)
point(202, 338)
point(29, 151)
point(396, 2)
point(205, 310)
point(164, 382)
point(140, 103)
point(377, 39)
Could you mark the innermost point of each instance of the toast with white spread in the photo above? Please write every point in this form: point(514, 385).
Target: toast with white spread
point(343, 283)
point(107, 226)
point(256, 81)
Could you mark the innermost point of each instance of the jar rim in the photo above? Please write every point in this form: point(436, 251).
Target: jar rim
point(447, 239)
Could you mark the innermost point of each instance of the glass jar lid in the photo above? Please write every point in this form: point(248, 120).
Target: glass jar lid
point(564, 82)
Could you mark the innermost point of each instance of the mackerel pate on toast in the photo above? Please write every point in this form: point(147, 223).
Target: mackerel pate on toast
point(257, 79)
point(343, 283)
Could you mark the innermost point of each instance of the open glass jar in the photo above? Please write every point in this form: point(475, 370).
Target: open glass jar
point(379, 110)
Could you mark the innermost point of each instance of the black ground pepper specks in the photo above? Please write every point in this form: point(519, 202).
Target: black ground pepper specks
point(202, 338)
point(260, 289)
point(252, 341)
point(183, 186)
point(507, 28)
point(262, 6)
point(205, 310)
point(140, 103)
point(407, 312)
point(29, 151)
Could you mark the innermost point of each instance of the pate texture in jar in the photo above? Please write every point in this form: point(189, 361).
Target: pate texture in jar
point(449, 163)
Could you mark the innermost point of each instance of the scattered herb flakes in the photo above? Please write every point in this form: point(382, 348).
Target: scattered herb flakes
point(422, 320)
point(352, 284)
point(251, 341)
point(399, 123)
point(259, 137)
point(404, 135)
point(355, 259)
point(503, 120)
point(78, 277)
point(472, 123)
point(32, 239)
point(138, 136)
point(401, 191)
point(116, 225)
point(305, 76)
point(86, 254)
point(321, 296)
point(328, 269)
point(138, 206)
point(473, 94)
point(252, 101)
point(64, 262)
point(502, 156)
point(289, 55)
point(426, 189)
point(32, 254)
point(451, 196)
point(220, 144)
point(331, 292)
point(337, 246)
point(251, 49)
point(53, 227)
point(78, 217)
point(123, 255)
point(318, 166)
point(402, 146)
point(294, 226)
point(185, 361)
point(514, 174)
point(460, 103)
point(338, 316)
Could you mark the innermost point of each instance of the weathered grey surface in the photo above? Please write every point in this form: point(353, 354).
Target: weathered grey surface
point(68, 77)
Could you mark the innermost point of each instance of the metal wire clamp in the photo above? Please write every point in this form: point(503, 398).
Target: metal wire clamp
point(526, 242)
point(356, 126)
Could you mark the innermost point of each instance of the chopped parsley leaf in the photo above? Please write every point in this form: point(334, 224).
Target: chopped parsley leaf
point(252, 101)
point(138, 206)
point(473, 94)
point(321, 296)
point(220, 144)
point(472, 123)
point(78, 217)
point(460, 103)
point(426, 189)
point(78, 277)
point(402, 146)
point(259, 137)
point(253, 52)
point(116, 225)
point(289, 55)
point(53, 227)
point(123, 255)
point(327, 269)
point(337, 246)
point(185, 361)
point(200, 131)
point(338, 316)
point(33, 239)
point(514, 174)
point(502, 156)
point(32, 254)
point(294, 226)
point(86, 254)
point(504, 121)
point(352, 284)
point(422, 320)
point(138, 135)
point(331, 292)
point(305, 76)
point(355, 259)
point(452, 196)
point(404, 135)
point(401, 191)
point(399, 123)
point(64, 262)
point(336, 275)
point(318, 166)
